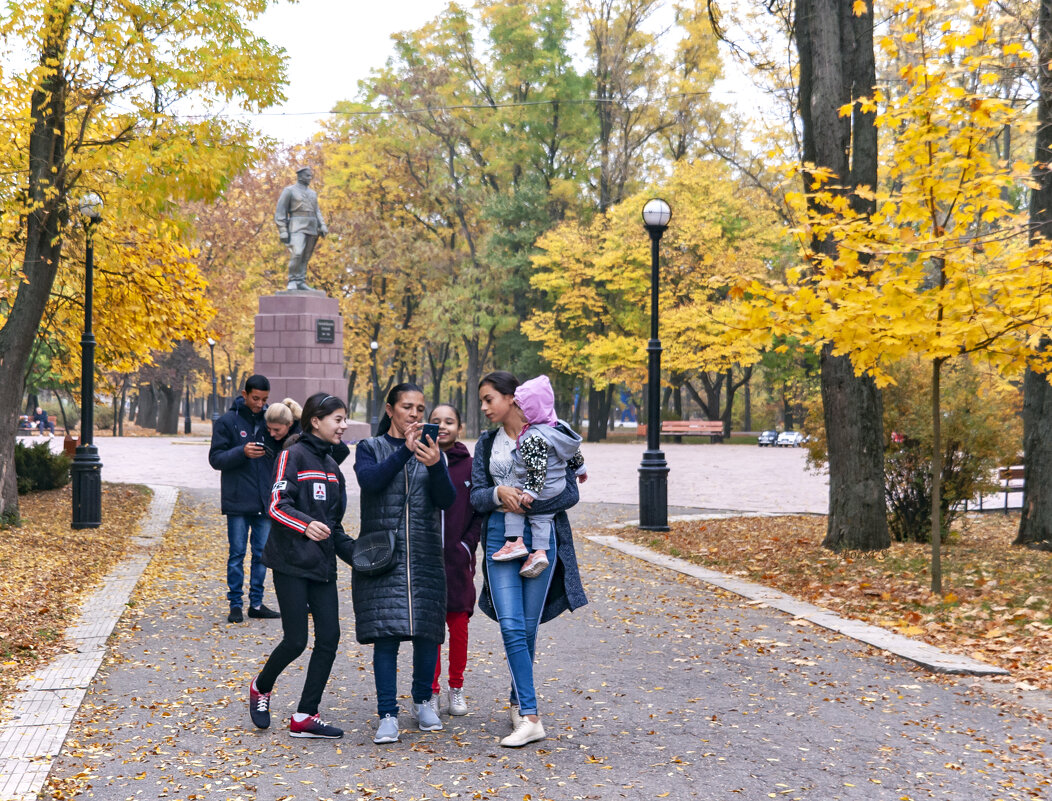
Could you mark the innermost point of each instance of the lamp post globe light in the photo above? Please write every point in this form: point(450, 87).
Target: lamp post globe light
point(375, 421)
point(86, 471)
point(212, 352)
point(653, 470)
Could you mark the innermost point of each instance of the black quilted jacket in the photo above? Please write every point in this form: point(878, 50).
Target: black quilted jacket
point(410, 599)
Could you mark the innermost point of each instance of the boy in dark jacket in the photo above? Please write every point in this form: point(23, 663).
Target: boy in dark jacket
point(237, 452)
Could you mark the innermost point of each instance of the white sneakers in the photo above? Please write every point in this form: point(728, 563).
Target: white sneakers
point(526, 732)
point(457, 705)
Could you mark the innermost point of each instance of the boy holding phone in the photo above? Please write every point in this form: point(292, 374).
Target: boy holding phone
point(237, 454)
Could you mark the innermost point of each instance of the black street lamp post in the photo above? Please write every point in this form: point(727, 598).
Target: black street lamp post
point(186, 419)
point(375, 422)
point(215, 408)
point(86, 471)
point(653, 470)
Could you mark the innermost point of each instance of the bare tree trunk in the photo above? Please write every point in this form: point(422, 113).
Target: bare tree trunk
point(1035, 523)
point(168, 408)
point(853, 412)
point(471, 390)
point(352, 379)
point(437, 362)
point(936, 477)
point(147, 411)
point(747, 411)
point(62, 411)
point(837, 66)
point(124, 398)
point(595, 413)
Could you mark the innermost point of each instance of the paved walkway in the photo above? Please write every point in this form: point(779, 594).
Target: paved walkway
point(660, 688)
point(663, 687)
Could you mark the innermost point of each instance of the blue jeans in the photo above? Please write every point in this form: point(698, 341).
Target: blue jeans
point(385, 672)
point(519, 603)
point(237, 534)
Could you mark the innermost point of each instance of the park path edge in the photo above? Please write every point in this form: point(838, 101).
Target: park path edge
point(39, 716)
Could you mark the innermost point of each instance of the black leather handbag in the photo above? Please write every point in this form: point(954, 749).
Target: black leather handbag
point(374, 553)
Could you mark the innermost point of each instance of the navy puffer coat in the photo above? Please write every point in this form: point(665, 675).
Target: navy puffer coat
point(245, 482)
point(401, 494)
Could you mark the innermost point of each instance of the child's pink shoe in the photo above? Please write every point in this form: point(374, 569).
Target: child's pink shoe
point(512, 549)
point(534, 566)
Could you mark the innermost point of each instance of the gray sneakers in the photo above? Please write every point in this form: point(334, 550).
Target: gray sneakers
point(436, 703)
point(427, 718)
point(387, 732)
point(457, 705)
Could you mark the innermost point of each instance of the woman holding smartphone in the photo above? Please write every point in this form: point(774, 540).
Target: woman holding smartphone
point(405, 484)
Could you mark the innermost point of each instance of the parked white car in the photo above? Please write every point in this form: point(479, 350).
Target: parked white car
point(791, 439)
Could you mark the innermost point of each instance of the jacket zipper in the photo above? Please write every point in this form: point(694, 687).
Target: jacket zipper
point(408, 559)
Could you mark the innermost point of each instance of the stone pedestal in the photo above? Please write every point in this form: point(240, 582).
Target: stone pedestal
point(299, 345)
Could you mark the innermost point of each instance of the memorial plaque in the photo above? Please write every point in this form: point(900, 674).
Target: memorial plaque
point(326, 332)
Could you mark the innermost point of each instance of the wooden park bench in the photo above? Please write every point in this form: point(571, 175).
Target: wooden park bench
point(1011, 479)
point(27, 427)
point(713, 429)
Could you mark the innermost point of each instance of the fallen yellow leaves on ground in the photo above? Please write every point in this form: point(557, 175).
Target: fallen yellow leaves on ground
point(47, 569)
point(996, 606)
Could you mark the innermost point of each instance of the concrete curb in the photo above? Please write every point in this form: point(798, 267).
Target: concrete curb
point(39, 716)
point(927, 656)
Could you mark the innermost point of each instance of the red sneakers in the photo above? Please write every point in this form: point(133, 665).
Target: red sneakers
point(314, 727)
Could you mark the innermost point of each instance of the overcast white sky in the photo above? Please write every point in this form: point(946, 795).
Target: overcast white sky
point(333, 44)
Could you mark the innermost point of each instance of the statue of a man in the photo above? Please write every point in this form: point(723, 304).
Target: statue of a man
point(299, 225)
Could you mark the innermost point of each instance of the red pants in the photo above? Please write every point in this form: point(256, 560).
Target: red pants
point(458, 650)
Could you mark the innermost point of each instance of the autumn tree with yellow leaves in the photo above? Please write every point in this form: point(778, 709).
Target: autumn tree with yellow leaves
point(94, 110)
point(596, 276)
point(942, 266)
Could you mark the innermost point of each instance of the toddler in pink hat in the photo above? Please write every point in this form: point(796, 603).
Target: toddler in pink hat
point(544, 450)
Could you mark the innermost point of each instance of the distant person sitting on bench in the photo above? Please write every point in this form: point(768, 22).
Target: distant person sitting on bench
point(43, 422)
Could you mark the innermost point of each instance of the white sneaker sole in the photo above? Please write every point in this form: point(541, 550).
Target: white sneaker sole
point(534, 570)
point(511, 557)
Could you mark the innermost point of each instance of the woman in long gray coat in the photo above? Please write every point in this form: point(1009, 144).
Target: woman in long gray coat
point(405, 482)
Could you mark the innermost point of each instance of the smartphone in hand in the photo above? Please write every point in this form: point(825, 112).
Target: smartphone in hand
point(429, 430)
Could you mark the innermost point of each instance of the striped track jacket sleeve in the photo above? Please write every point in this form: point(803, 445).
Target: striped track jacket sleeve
point(283, 497)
